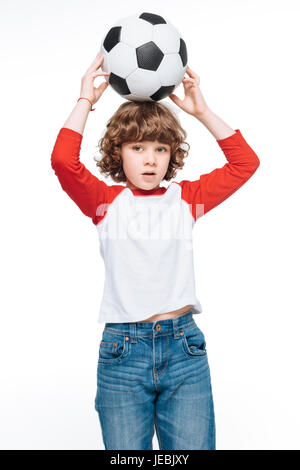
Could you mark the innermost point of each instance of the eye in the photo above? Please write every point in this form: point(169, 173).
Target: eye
point(159, 148)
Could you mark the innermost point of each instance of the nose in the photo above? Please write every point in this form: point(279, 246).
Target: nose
point(150, 157)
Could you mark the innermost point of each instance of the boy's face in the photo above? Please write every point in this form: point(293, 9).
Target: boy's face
point(141, 157)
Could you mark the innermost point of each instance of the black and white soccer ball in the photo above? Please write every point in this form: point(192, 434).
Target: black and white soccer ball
point(145, 56)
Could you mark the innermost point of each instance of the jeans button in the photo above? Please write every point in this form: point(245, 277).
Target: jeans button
point(158, 327)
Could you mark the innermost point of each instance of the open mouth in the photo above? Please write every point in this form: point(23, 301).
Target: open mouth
point(149, 173)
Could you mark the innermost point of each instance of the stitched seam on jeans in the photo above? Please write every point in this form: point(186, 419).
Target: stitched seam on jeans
point(184, 327)
point(116, 359)
point(166, 360)
point(157, 431)
point(187, 350)
point(152, 433)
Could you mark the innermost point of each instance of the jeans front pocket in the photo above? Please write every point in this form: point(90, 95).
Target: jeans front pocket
point(113, 347)
point(193, 342)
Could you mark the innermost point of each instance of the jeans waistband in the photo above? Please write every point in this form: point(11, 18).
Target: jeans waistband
point(158, 327)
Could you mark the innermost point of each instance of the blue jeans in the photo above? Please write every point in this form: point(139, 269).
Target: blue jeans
point(155, 374)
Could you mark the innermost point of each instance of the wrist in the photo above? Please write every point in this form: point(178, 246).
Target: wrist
point(201, 116)
point(87, 101)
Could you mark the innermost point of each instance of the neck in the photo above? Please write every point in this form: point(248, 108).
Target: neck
point(131, 186)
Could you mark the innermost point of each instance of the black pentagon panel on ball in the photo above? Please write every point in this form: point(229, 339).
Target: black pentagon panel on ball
point(183, 52)
point(162, 92)
point(149, 56)
point(152, 18)
point(119, 84)
point(112, 38)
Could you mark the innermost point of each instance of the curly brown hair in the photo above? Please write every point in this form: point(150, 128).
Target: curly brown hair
point(137, 121)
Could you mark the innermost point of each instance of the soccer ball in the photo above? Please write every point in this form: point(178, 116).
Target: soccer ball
point(145, 56)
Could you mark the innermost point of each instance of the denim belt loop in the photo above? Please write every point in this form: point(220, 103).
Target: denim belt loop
point(176, 328)
point(132, 332)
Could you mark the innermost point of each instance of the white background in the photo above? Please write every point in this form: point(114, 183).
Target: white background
point(246, 249)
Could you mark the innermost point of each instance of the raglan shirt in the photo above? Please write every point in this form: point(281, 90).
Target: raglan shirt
point(146, 236)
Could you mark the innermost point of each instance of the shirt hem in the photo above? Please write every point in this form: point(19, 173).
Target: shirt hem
point(196, 309)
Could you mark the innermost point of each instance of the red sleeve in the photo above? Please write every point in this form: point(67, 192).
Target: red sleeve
point(85, 189)
point(213, 188)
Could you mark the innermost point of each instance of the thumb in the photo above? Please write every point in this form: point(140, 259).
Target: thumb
point(102, 87)
point(176, 100)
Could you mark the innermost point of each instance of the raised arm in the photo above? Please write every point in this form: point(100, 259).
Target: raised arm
point(85, 189)
point(212, 188)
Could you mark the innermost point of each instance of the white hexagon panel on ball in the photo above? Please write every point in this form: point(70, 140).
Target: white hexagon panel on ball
point(171, 70)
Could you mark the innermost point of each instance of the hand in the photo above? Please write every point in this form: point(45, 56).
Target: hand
point(193, 102)
point(87, 82)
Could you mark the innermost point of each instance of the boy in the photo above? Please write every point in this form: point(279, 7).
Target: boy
point(152, 368)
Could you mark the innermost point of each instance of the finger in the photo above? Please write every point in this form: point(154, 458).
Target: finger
point(102, 87)
point(191, 73)
point(176, 99)
point(188, 83)
point(189, 70)
point(193, 81)
point(96, 63)
point(100, 90)
point(97, 74)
